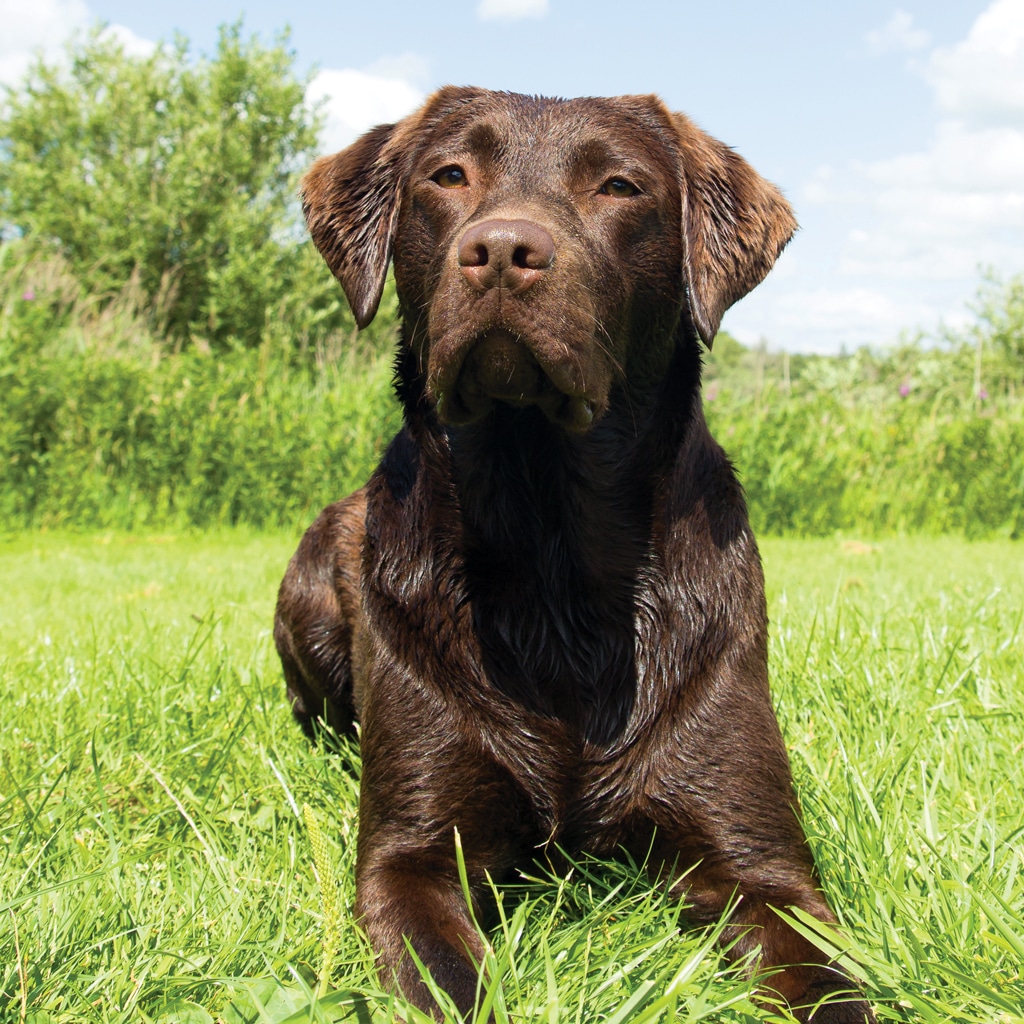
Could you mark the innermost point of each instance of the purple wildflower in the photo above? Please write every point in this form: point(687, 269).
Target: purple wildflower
point(28, 295)
point(904, 389)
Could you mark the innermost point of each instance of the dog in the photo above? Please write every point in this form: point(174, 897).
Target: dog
point(546, 607)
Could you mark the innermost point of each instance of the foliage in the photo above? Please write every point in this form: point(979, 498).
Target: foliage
point(812, 466)
point(176, 175)
point(101, 426)
point(998, 334)
point(157, 866)
point(912, 438)
point(98, 425)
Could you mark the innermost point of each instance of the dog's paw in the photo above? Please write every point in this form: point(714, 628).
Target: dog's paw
point(835, 1006)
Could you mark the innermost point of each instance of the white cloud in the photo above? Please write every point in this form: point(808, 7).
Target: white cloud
point(959, 158)
point(358, 100)
point(44, 27)
point(982, 77)
point(30, 28)
point(959, 202)
point(824, 318)
point(42, 24)
point(897, 34)
point(940, 213)
point(511, 10)
point(132, 44)
point(917, 226)
point(870, 309)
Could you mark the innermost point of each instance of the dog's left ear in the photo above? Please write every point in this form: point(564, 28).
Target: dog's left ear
point(735, 224)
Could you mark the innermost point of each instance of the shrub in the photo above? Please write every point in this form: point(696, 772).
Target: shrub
point(176, 175)
point(100, 425)
point(813, 465)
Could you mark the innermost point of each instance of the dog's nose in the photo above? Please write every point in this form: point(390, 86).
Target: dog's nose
point(509, 254)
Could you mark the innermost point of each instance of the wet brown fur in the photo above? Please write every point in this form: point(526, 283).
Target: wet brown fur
point(546, 607)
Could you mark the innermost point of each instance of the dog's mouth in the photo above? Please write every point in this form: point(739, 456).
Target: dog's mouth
point(500, 368)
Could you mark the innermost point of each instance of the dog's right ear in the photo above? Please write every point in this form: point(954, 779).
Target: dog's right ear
point(350, 201)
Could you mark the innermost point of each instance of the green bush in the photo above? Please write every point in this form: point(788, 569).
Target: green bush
point(176, 175)
point(188, 440)
point(256, 437)
point(102, 425)
point(812, 466)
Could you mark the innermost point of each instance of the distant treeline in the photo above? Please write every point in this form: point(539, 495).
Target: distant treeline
point(102, 425)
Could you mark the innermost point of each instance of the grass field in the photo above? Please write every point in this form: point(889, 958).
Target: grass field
point(156, 863)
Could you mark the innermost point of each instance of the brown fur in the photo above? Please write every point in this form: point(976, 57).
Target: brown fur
point(546, 607)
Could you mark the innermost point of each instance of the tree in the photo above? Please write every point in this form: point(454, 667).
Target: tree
point(177, 175)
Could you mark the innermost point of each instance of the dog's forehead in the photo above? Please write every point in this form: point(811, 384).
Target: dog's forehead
point(586, 128)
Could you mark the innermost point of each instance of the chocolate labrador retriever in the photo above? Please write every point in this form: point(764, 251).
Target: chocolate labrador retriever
point(546, 608)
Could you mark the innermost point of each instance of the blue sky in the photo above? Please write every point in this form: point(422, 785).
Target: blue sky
point(896, 130)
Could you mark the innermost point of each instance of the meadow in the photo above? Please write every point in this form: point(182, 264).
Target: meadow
point(173, 850)
point(182, 389)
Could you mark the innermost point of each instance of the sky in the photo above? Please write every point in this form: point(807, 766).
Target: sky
point(895, 130)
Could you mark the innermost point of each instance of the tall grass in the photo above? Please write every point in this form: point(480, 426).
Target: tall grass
point(97, 441)
point(156, 863)
point(102, 426)
point(813, 465)
point(90, 440)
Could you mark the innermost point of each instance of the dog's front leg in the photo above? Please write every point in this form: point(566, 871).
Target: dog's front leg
point(424, 778)
point(792, 967)
point(414, 896)
point(723, 804)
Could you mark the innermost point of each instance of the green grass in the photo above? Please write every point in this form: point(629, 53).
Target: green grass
point(156, 865)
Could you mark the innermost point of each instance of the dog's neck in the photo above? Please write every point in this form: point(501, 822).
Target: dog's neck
point(515, 473)
point(553, 533)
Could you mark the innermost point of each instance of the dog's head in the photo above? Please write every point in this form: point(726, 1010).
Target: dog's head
point(543, 247)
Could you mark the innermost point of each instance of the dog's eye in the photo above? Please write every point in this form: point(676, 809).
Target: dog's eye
point(451, 177)
point(619, 188)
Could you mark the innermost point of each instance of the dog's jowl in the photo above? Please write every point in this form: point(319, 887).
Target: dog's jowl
point(546, 608)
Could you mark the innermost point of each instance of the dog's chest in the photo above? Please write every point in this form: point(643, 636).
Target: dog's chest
point(556, 636)
point(582, 794)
